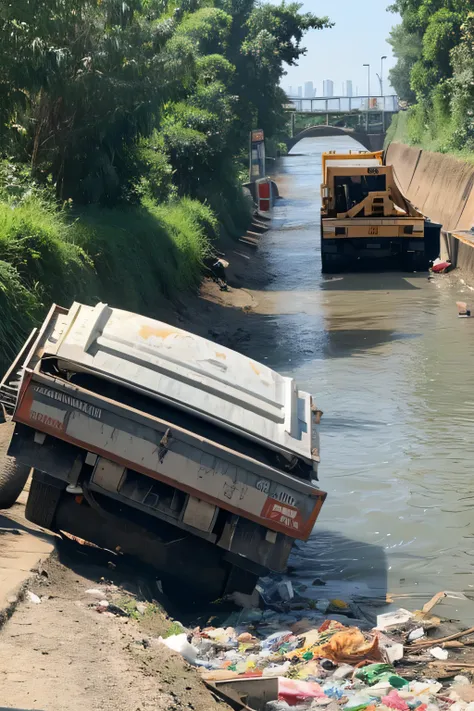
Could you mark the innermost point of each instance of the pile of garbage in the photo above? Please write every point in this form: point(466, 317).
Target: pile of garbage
point(339, 664)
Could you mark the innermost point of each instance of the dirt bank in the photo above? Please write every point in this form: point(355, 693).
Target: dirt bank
point(63, 653)
point(221, 315)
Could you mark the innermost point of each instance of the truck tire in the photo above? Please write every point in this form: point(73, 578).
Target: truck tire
point(43, 501)
point(325, 268)
point(13, 475)
point(331, 264)
point(416, 262)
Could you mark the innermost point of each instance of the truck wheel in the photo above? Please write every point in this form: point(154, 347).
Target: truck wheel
point(330, 265)
point(43, 501)
point(13, 475)
point(416, 262)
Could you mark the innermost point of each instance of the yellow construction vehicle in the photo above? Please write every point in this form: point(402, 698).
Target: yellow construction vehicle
point(366, 221)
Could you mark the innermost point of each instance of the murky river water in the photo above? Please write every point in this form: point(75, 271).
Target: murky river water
point(392, 367)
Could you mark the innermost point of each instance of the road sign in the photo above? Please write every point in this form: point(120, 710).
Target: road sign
point(257, 155)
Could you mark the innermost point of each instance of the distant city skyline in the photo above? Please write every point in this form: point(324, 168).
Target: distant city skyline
point(328, 87)
point(309, 89)
point(342, 50)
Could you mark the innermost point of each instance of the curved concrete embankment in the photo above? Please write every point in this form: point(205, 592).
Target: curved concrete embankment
point(442, 187)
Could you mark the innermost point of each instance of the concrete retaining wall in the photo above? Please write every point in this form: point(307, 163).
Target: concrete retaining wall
point(442, 188)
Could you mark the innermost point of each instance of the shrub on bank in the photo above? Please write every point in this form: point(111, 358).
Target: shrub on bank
point(143, 253)
point(128, 257)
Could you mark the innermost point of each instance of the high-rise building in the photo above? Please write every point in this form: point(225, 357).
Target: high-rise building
point(308, 90)
point(349, 87)
point(300, 91)
point(290, 91)
point(328, 87)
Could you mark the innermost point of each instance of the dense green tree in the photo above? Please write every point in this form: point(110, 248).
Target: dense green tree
point(435, 66)
point(95, 93)
point(422, 43)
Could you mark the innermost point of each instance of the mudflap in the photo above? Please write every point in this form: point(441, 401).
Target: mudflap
point(43, 499)
point(432, 240)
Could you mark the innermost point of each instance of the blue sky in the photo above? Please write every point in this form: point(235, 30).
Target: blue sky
point(358, 37)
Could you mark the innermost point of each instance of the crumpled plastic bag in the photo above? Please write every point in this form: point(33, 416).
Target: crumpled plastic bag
point(394, 701)
point(379, 673)
point(179, 643)
point(293, 691)
point(372, 673)
point(349, 646)
point(308, 669)
point(310, 639)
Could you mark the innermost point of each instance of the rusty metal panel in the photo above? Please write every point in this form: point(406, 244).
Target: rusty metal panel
point(188, 371)
point(108, 475)
point(197, 466)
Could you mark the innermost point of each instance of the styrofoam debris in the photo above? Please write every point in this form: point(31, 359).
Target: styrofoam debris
point(391, 619)
point(343, 671)
point(32, 597)
point(394, 653)
point(439, 653)
point(179, 643)
point(417, 633)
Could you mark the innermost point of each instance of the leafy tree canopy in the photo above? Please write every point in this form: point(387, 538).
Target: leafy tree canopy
point(434, 47)
point(106, 97)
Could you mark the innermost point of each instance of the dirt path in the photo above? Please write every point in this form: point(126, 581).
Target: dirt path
point(22, 547)
point(62, 653)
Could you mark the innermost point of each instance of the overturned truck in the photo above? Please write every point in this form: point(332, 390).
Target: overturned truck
point(149, 439)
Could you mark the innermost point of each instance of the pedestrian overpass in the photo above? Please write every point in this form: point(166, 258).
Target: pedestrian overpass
point(363, 118)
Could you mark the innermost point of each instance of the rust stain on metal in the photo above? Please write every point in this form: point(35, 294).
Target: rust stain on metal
point(147, 332)
point(254, 368)
point(221, 355)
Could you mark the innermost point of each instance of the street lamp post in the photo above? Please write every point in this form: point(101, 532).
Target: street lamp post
point(381, 91)
point(368, 79)
point(381, 73)
point(368, 97)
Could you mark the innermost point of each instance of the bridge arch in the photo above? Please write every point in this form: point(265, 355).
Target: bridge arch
point(372, 142)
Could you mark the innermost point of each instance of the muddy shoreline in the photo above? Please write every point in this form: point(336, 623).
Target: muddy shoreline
point(221, 315)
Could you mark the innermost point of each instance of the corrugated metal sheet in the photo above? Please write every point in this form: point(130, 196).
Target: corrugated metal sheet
point(191, 372)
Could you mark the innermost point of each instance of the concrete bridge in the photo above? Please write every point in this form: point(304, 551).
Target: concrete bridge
point(370, 141)
point(363, 118)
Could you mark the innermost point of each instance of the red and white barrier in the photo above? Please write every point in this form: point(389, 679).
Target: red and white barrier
point(264, 194)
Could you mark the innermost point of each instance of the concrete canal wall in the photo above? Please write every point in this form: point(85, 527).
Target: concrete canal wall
point(442, 187)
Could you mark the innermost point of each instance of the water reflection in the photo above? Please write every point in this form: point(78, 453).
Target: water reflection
point(392, 367)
